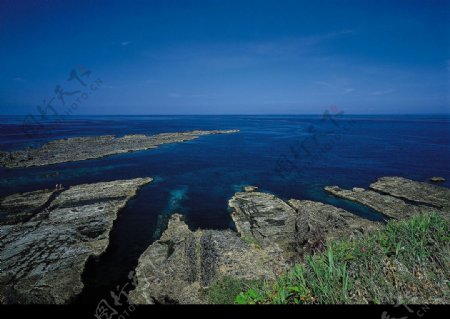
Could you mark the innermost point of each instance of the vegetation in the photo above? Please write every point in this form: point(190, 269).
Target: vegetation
point(407, 261)
point(225, 290)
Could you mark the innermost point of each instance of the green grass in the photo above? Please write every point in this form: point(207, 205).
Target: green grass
point(224, 291)
point(407, 261)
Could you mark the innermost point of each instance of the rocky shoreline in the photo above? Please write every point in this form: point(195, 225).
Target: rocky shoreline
point(272, 234)
point(91, 147)
point(43, 255)
point(47, 236)
point(398, 197)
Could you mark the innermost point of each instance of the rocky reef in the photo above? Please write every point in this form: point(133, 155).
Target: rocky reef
point(90, 147)
point(416, 192)
point(398, 197)
point(47, 237)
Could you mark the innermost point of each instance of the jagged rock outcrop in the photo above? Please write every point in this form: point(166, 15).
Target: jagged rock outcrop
point(177, 267)
point(42, 259)
point(317, 223)
point(264, 218)
point(398, 197)
point(21, 207)
point(271, 235)
point(295, 226)
point(90, 147)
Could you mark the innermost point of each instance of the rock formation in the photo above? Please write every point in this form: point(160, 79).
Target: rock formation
point(21, 207)
point(295, 226)
point(177, 267)
point(418, 192)
point(42, 259)
point(271, 235)
point(437, 179)
point(398, 197)
point(90, 147)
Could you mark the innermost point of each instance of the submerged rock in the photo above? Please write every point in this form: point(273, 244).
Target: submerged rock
point(249, 189)
point(437, 179)
point(90, 147)
point(42, 259)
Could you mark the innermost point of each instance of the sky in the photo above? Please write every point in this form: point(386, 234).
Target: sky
point(224, 57)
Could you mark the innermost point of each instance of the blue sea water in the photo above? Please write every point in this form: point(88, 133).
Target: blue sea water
point(289, 156)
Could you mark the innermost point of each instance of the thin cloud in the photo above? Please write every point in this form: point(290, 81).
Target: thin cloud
point(349, 90)
point(335, 87)
point(383, 92)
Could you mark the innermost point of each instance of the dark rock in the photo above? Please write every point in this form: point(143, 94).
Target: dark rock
point(387, 205)
point(21, 207)
point(418, 192)
point(90, 147)
point(42, 259)
point(292, 226)
point(249, 189)
point(437, 179)
point(177, 267)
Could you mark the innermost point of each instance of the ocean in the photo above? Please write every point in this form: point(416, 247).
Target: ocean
point(289, 156)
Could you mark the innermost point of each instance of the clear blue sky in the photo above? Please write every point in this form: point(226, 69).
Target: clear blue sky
point(222, 57)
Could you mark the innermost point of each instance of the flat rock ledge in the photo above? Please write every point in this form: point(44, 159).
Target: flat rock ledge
point(91, 147)
point(398, 197)
point(42, 258)
point(271, 235)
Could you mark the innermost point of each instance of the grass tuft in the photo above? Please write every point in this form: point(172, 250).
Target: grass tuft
point(407, 261)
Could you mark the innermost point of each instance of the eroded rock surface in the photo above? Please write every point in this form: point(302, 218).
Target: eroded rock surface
point(90, 147)
point(42, 259)
point(21, 207)
point(271, 235)
point(295, 226)
point(398, 197)
point(317, 223)
point(177, 267)
point(418, 192)
point(387, 205)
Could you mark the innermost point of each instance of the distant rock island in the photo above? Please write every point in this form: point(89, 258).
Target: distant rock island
point(91, 147)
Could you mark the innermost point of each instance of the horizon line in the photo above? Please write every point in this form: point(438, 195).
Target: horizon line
point(228, 114)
